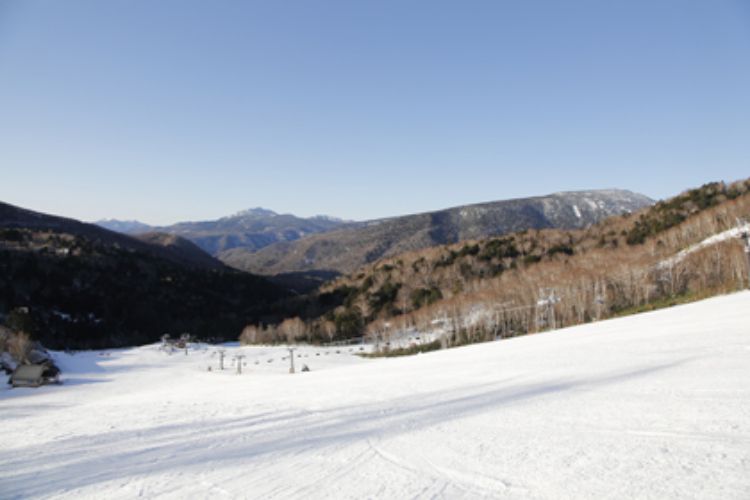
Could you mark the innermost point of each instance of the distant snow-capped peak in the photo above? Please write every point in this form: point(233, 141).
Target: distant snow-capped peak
point(255, 212)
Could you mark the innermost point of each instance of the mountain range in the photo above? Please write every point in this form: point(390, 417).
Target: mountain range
point(78, 285)
point(250, 229)
point(264, 242)
point(347, 248)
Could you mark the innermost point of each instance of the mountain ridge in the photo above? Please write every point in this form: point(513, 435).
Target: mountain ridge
point(236, 239)
point(12, 216)
point(348, 247)
point(253, 228)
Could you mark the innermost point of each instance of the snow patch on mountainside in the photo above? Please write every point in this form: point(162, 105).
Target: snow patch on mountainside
point(739, 231)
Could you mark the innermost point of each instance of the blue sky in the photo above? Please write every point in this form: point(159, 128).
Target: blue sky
point(181, 110)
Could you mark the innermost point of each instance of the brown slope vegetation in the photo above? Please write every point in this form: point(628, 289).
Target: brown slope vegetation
point(493, 287)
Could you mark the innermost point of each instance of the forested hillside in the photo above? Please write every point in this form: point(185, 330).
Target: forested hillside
point(536, 279)
point(75, 285)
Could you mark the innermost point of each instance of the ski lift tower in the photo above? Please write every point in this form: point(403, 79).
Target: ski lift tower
point(185, 340)
point(291, 359)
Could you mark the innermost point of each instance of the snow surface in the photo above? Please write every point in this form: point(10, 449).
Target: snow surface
point(649, 406)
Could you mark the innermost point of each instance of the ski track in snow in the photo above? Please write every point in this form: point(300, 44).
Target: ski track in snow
point(650, 406)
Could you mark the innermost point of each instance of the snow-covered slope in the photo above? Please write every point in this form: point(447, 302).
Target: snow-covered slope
point(649, 406)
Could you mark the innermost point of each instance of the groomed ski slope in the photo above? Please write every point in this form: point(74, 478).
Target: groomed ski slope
point(649, 406)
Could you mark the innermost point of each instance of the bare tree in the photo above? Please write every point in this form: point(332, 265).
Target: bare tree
point(250, 335)
point(292, 329)
point(375, 332)
point(329, 328)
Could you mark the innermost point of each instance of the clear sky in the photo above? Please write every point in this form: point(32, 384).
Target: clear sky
point(183, 110)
